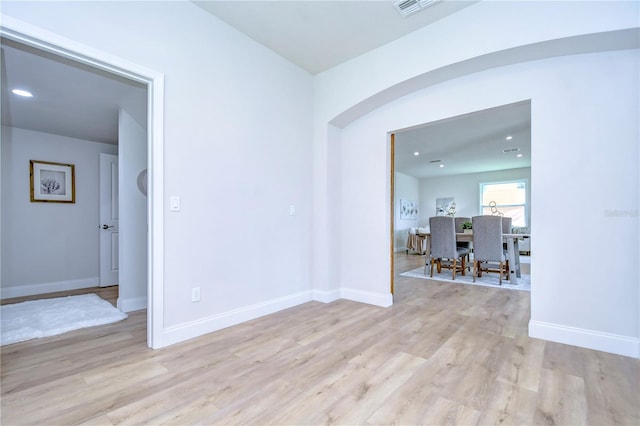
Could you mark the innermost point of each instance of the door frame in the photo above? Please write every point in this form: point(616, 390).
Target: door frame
point(39, 38)
point(392, 212)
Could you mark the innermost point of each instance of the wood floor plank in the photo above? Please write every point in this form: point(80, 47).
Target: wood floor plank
point(509, 404)
point(561, 399)
point(444, 353)
point(523, 363)
point(607, 378)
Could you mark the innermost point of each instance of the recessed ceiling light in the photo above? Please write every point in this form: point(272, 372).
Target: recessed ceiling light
point(416, 153)
point(23, 93)
point(519, 155)
point(441, 165)
point(509, 138)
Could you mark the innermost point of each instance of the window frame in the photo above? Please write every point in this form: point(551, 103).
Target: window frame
point(527, 197)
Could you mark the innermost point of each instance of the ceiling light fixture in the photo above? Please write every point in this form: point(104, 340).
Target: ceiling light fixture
point(23, 93)
point(416, 153)
point(408, 7)
point(509, 138)
point(441, 165)
point(519, 155)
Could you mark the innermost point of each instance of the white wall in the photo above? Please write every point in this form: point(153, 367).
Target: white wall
point(132, 159)
point(585, 110)
point(252, 121)
point(49, 246)
point(407, 188)
point(503, 33)
point(237, 132)
point(465, 189)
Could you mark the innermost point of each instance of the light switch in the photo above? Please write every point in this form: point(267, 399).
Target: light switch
point(292, 210)
point(174, 203)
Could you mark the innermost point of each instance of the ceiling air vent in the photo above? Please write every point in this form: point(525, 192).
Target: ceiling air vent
point(506, 151)
point(407, 7)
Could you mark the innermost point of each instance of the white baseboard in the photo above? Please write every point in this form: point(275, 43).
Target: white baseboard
point(33, 289)
point(377, 299)
point(131, 304)
point(325, 296)
point(383, 300)
point(605, 342)
point(213, 323)
point(217, 322)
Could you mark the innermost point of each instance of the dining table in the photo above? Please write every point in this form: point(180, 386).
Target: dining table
point(513, 252)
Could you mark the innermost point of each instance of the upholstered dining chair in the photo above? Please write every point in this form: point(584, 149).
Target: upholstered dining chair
point(487, 247)
point(506, 225)
point(459, 221)
point(506, 228)
point(463, 244)
point(443, 246)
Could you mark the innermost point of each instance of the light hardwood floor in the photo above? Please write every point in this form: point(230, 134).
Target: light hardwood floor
point(443, 354)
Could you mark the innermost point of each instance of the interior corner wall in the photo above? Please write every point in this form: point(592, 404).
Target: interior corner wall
point(584, 173)
point(406, 188)
point(49, 247)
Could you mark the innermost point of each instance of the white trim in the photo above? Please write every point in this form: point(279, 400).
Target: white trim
point(33, 289)
point(325, 296)
point(606, 342)
point(377, 299)
point(155, 210)
point(131, 304)
point(213, 323)
point(383, 300)
point(30, 35)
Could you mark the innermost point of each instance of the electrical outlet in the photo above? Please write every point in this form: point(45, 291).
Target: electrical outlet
point(195, 294)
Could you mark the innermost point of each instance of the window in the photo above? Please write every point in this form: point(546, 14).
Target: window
point(510, 199)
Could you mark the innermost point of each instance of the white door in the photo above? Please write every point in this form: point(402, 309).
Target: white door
point(109, 264)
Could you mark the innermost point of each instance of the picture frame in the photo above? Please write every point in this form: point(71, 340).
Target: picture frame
point(445, 206)
point(52, 182)
point(408, 209)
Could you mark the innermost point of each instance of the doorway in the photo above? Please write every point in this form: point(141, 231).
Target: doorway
point(449, 158)
point(32, 37)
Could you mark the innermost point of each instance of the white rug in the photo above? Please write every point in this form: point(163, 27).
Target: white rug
point(48, 317)
point(486, 280)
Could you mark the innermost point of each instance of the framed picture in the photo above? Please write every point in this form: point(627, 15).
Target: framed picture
point(52, 182)
point(445, 206)
point(408, 209)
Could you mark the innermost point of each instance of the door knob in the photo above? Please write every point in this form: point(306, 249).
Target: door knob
point(105, 226)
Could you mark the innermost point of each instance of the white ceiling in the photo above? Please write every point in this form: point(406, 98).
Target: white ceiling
point(77, 101)
point(318, 35)
point(70, 99)
point(470, 143)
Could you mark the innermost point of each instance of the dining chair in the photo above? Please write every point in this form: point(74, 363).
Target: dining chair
point(488, 253)
point(506, 225)
point(460, 230)
point(444, 248)
point(459, 221)
point(506, 228)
